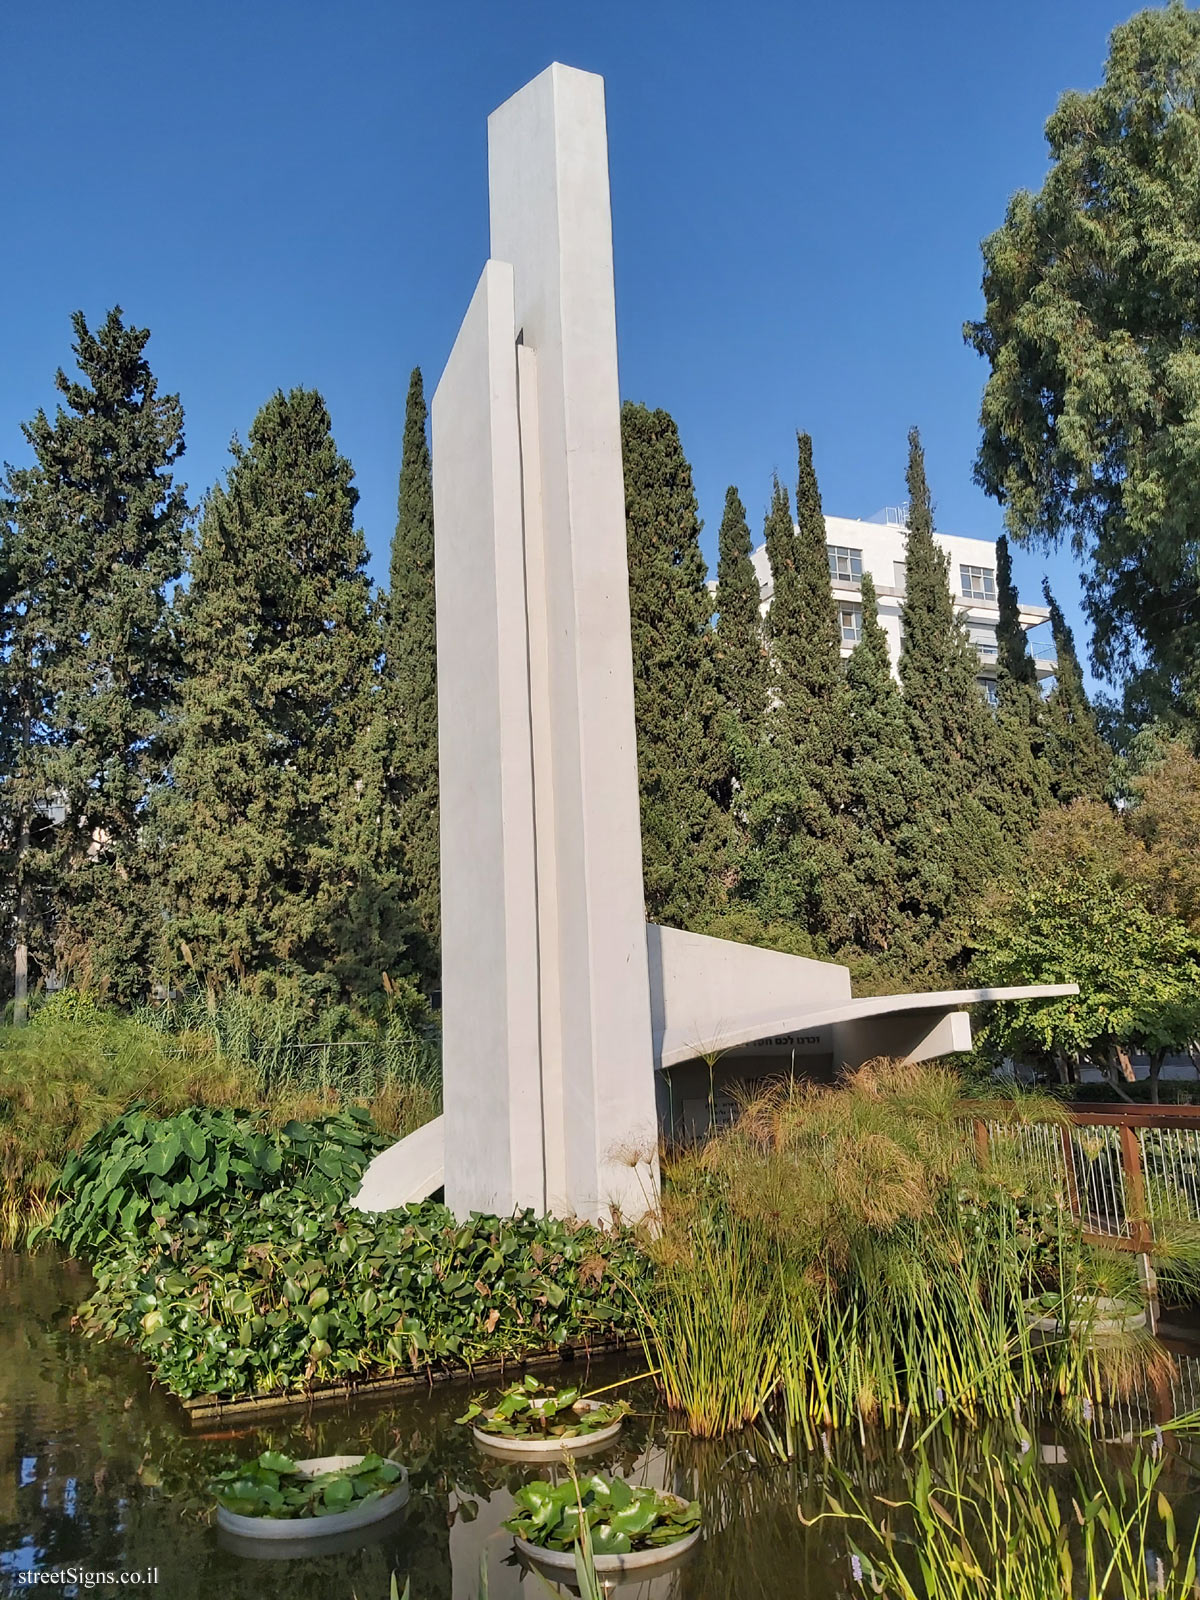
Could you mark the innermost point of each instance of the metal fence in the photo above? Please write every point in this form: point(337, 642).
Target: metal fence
point(1120, 1169)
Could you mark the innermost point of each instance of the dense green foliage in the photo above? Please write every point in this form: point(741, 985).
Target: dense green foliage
point(741, 656)
point(91, 538)
point(409, 681)
point(272, 1487)
point(229, 780)
point(79, 1066)
point(1105, 899)
point(619, 1516)
point(276, 802)
point(1089, 414)
point(798, 810)
point(680, 762)
point(143, 1169)
point(1076, 755)
point(843, 1255)
point(253, 1276)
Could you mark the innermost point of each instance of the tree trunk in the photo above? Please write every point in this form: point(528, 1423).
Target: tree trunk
point(1156, 1061)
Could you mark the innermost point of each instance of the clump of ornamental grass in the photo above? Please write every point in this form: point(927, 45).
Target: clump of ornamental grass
point(846, 1252)
point(998, 1528)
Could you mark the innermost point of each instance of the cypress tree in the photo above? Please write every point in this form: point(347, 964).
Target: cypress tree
point(680, 759)
point(741, 658)
point(1077, 756)
point(1020, 774)
point(805, 636)
point(93, 540)
point(887, 791)
point(278, 798)
point(797, 819)
point(409, 681)
point(949, 721)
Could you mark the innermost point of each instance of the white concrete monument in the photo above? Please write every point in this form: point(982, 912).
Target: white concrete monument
point(559, 1001)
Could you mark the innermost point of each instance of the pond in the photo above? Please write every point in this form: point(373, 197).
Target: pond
point(102, 1473)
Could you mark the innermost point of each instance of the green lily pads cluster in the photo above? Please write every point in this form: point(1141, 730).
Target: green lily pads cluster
point(279, 1286)
point(532, 1410)
point(272, 1487)
point(141, 1168)
point(620, 1516)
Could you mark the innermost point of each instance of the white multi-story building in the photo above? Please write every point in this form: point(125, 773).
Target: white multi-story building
point(878, 546)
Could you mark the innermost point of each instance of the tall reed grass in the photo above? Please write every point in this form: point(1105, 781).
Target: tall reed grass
point(999, 1529)
point(845, 1253)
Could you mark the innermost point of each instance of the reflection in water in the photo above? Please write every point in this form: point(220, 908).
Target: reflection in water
point(100, 1471)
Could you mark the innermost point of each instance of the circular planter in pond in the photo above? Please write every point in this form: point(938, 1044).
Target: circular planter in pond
point(642, 1564)
point(1102, 1317)
point(308, 1531)
point(511, 1448)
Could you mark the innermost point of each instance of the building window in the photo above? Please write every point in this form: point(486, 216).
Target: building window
point(898, 576)
point(990, 692)
point(845, 565)
point(850, 618)
point(983, 637)
point(978, 583)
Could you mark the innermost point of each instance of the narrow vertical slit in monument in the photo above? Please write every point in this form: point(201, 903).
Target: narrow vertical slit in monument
point(545, 844)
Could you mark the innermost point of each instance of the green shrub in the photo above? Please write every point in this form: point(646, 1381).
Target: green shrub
point(282, 1293)
point(141, 1167)
point(227, 1254)
point(79, 1065)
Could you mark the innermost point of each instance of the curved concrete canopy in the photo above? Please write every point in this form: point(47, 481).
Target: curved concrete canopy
point(682, 1044)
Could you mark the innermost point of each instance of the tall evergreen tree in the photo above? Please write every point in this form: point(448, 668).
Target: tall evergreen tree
point(741, 657)
point(409, 679)
point(805, 636)
point(680, 759)
point(1078, 759)
point(1021, 776)
point(93, 541)
point(798, 813)
point(278, 804)
point(949, 721)
point(885, 790)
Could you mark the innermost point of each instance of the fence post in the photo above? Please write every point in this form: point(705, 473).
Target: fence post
point(981, 1142)
point(1137, 1214)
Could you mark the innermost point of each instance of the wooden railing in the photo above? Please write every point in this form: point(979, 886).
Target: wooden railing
point(1122, 1169)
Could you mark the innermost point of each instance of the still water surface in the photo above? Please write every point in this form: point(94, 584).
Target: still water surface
point(100, 1471)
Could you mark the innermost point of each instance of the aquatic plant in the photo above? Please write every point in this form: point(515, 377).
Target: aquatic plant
point(1000, 1530)
point(273, 1486)
point(529, 1409)
point(618, 1516)
point(78, 1066)
point(847, 1252)
point(282, 1294)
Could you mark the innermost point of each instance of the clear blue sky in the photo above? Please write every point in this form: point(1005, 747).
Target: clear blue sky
point(295, 193)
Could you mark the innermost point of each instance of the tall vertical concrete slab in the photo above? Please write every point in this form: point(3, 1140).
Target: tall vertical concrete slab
point(549, 1041)
point(493, 1157)
point(550, 218)
point(548, 1072)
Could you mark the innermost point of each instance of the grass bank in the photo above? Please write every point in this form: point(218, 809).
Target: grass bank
point(78, 1066)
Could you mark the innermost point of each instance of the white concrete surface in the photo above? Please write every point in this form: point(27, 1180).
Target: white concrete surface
point(411, 1170)
point(549, 1038)
point(490, 1013)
